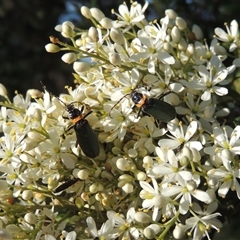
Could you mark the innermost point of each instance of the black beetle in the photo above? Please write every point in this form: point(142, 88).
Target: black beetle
point(86, 137)
point(157, 108)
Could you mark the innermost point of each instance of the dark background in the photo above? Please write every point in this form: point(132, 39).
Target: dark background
point(27, 24)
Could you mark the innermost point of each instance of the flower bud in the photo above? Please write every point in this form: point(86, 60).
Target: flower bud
point(69, 58)
point(30, 218)
point(197, 31)
point(58, 28)
point(175, 34)
point(142, 217)
point(83, 174)
point(126, 178)
point(35, 93)
point(27, 194)
point(3, 90)
point(79, 42)
point(52, 48)
point(191, 186)
point(132, 153)
point(184, 161)
point(93, 34)
point(142, 152)
point(186, 152)
point(85, 196)
point(106, 23)
point(127, 188)
point(97, 14)
point(167, 47)
point(117, 36)
point(85, 11)
point(151, 231)
point(35, 136)
point(141, 176)
point(122, 164)
point(114, 58)
point(171, 14)
point(196, 155)
point(96, 187)
point(81, 66)
point(182, 46)
point(190, 50)
point(181, 23)
point(178, 232)
point(148, 160)
point(67, 30)
point(212, 182)
point(29, 144)
point(121, 184)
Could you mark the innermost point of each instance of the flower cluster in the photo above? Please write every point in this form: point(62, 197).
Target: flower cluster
point(152, 179)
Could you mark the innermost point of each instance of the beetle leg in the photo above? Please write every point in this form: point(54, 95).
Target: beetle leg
point(139, 111)
point(64, 117)
point(70, 128)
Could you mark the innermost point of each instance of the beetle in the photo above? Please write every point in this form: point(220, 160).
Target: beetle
point(154, 107)
point(86, 137)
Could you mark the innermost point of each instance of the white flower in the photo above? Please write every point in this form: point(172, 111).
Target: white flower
point(225, 138)
point(88, 45)
point(151, 50)
point(150, 47)
point(20, 122)
point(196, 108)
point(106, 230)
point(152, 197)
point(127, 82)
point(207, 79)
point(231, 36)
point(185, 190)
point(120, 119)
point(180, 135)
point(69, 235)
point(160, 84)
point(146, 131)
point(227, 177)
point(129, 18)
point(203, 52)
point(124, 227)
point(9, 151)
point(170, 168)
point(200, 224)
point(55, 149)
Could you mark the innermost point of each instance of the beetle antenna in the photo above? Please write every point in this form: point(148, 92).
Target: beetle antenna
point(117, 104)
point(45, 88)
point(61, 101)
point(165, 94)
